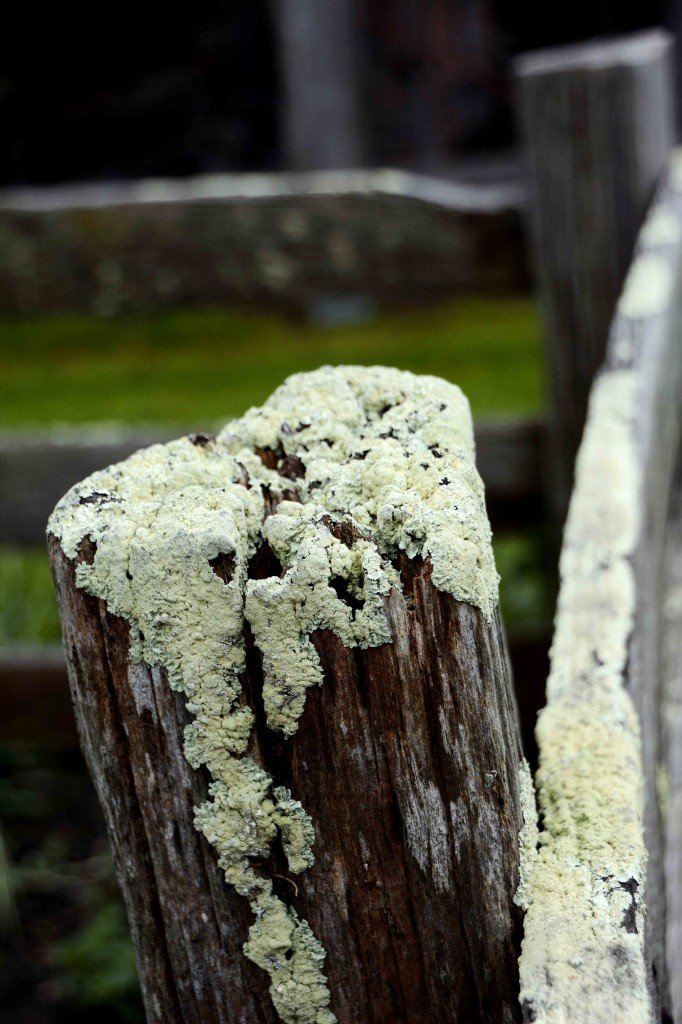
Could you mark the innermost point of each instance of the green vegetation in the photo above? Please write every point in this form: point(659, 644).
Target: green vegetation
point(28, 610)
point(65, 950)
point(95, 964)
point(200, 367)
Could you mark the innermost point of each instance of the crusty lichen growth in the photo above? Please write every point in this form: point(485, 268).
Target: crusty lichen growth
point(393, 454)
point(583, 951)
point(528, 838)
point(381, 452)
point(582, 954)
point(283, 612)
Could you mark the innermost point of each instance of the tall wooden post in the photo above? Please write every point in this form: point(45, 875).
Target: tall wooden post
point(320, 103)
point(598, 124)
point(310, 599)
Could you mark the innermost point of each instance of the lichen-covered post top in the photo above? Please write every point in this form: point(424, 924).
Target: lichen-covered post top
point(385, 451)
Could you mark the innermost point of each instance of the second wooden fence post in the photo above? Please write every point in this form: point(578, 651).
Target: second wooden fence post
point(598, 124)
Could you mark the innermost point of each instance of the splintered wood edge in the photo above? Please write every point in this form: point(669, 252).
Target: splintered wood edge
point(586, 953)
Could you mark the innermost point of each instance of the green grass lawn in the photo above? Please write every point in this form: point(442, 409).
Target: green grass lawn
point(197, 368)
point(204, 366)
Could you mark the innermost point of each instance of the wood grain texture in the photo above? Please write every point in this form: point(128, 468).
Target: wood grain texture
point(598, 124)
point(185, 922)
point(36, 705)
point(407, 758)
point(650, 345)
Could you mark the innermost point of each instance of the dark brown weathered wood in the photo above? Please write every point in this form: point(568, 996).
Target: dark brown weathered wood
point(289, 242)
point(37, 707)
point(598, 125)
point(36, 469)
point(589, 942)
point(407, 758)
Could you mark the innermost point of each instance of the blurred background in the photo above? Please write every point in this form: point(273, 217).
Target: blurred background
point(150, 90)
point(173, 243)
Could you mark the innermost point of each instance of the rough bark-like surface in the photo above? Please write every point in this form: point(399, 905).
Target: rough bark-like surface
point(331, 244)
point(408, 753)
point(406, 758)
point(187, 925)
point(598, 125)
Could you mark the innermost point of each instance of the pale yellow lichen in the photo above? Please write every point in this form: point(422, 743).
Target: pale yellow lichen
point(648, 286)
point(582, 954)
point(383, 454)
point(158, 521)
point(583, 950)
point(660, 228)
point(394, 454)
point(528, 839)
point(283, 611)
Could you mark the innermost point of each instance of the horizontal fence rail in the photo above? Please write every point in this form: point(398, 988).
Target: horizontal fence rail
point(349, 241)
point(36, 470)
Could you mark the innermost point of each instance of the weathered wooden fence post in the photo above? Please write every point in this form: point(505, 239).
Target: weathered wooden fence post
point(598, 124)
point(371, 829)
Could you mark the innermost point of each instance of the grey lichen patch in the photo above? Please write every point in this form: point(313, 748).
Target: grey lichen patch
point(284, 611)
point(528, 839)
point(426, 826)
point(648, 285)
point(285, 947)
point(590, 871)
point(378, 456)
point(392, 453)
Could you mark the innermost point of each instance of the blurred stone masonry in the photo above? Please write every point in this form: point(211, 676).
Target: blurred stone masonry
point(332, 245)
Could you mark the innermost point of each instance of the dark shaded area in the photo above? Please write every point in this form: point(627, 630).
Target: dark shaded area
point(144, 90)
point(65, 951)
point(138, 89)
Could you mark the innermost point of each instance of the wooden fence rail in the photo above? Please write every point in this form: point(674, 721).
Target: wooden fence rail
point(36, 470)
point(602, 932)
point(297, 242)
point(588, 942)
point(602, 921)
